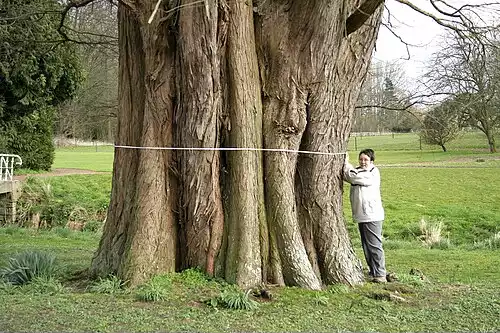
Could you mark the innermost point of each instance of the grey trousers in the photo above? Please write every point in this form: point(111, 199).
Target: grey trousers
point(371, 240)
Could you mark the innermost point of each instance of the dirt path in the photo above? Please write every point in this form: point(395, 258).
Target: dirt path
point(60, 172)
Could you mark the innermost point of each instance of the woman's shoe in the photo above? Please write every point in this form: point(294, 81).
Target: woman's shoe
point(379, 279)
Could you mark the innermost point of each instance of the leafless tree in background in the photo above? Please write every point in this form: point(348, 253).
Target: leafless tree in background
point(92, 113)
point(384, 101)
point(468, 71)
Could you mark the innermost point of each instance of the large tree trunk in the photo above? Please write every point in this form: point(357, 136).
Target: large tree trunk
point(273, 75)
point(245, 192)
point(140, 235)
point(319, 181)
point(284, 124)
point(197, 121)
point(311, 80)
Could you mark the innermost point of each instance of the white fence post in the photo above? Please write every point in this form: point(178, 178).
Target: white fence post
point(7, 162)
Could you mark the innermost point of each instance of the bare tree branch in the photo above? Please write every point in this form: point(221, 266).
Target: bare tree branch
point(71, 4)
point(443, 22)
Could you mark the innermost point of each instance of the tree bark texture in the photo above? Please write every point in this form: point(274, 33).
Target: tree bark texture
point(140, 236)
point(245, 191)
point(198, 125)
point(273, 75)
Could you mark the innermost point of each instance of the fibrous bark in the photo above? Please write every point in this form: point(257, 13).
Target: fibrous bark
point(198, 125)
point(140, 235)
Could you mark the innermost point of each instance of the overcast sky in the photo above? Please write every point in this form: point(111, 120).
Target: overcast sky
point(413, 28)
point(421, 31)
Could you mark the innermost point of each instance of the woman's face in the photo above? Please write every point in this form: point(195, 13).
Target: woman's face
point(364, 161)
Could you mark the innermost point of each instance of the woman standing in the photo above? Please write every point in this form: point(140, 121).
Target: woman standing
point(367, 211)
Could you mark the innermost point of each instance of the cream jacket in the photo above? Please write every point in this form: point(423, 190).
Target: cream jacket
point(366, 202)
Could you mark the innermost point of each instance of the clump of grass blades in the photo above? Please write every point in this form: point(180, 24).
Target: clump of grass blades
point(193, 277)
point(411, 279)
point(23, 267)
point(109, 285)
point(320, 299)
point(6, 287)
point(235, 299)
point(37, 198)
point(152, 291)
point(63, 232)
point(338, 289)
point(12, 230)
point(492, 243)
point(44, 285)
point(431, 234)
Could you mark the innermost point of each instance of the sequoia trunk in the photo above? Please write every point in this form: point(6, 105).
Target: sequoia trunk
point(198, 125)
point(140, 236)
point(244, 182)
point(319, 181)
point(281, 75)
point(311, 75)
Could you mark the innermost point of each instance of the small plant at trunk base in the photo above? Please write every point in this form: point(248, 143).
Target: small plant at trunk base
point(152, 291)
point(109, 285)
point(193, 277)
point(338, 289)
point(320, 299)
point(25, 266)
point(44, 285)
point(233, 298)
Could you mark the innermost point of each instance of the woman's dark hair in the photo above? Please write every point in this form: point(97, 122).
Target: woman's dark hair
point(368, 152)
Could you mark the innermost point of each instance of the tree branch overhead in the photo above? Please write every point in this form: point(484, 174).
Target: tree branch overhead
point(361, 14)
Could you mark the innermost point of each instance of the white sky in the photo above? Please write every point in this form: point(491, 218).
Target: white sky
point(415, 29)
point(421, 31)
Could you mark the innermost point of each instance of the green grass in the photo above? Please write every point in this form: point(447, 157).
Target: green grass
point(77, 198)
point(411, 141)
point(85, 157)
point(465, 200)
point(74, 250)
point(460, 294)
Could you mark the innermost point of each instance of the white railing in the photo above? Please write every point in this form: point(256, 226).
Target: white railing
point(7, 162)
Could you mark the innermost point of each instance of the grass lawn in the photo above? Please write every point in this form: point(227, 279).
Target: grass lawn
point(460, 293)
point(96, 158)
point(475, 141)
point(453, 286)
point(464, 200)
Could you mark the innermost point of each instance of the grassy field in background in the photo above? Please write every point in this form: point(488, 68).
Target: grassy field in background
point(411, 141)
point(465, 200)
point(96, 158)
point(456, 289)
